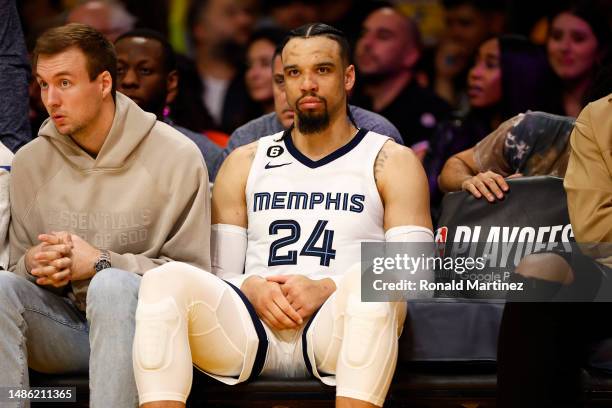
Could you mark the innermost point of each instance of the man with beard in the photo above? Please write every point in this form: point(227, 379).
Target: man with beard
point(146, 72)
point(386, 56)
point(282, 118)
point(290, 212)
point(220, 30)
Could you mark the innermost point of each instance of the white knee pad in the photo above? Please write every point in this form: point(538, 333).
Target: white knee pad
point(157, 325)
point(364, 325)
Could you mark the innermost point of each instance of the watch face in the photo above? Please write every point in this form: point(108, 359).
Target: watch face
point(102, 264)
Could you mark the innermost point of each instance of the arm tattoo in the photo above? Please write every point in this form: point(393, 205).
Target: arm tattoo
point(252, 151)
point(379, 163)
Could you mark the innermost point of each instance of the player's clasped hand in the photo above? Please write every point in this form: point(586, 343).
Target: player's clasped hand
point(488, 184)
point(270, 303)
point(305, 295)
point(51, 260)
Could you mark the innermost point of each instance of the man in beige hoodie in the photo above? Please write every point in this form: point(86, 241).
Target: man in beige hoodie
point(104, 194)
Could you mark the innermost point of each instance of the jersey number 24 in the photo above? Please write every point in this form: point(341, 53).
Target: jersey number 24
point(325, 252)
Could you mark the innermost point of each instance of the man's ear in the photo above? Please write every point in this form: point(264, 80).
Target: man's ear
point(171, 86)
point(349, 78)
point(411, 58)
point(106, 83)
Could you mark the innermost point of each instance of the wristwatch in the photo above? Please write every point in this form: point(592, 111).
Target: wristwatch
point(103, 262)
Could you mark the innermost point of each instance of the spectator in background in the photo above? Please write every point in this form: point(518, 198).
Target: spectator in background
point(529, 144)
point(103, 185)
point(36, 112)
point(146, 72)
point(578, 43)
point(14, 76)
point(468, 24)
point(510, 76)
point(186, 107)
point(258, 77)
point(386, 55)
point(220, 30)
point(107, 16)
point(290, 14)
point(282, 118)
point(346, 15)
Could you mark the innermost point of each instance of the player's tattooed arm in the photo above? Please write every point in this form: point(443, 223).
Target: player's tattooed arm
point(251, 150)
point(381, 158)
point(403, 188)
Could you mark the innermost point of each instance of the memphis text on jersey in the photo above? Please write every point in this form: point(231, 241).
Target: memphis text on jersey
point(291, 200)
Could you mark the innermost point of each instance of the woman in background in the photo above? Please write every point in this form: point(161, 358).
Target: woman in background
point(510, 76)
point(577, 46)
point(258, 76)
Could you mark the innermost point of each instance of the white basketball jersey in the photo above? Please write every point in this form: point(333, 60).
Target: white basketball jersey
point(310, 217)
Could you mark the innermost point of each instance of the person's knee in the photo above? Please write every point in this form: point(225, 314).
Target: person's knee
point(114, 291)
point(367, 321)
point(163, 277)
point(173, 279)
point(351, 282)
point(157, 326)
point(547, 267)
point(12, 288)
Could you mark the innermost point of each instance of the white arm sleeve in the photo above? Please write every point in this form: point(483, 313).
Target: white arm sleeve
point(419, 242)
point(409, 233)
point(228, 252)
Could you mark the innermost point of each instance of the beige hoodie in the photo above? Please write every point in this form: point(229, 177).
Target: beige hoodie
point(145, 197)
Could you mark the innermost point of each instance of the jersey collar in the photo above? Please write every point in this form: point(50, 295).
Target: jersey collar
point(313, 164)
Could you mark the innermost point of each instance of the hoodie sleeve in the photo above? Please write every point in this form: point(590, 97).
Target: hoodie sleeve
point(19, 241)
point(19, 244)
point(189, 238)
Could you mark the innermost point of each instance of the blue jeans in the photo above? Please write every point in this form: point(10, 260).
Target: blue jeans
point(49, 334)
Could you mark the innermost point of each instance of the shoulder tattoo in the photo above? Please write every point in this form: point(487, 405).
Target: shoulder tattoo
point(252, 150)
point(379, 163)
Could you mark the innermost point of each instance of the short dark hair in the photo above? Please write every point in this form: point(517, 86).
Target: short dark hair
point(168, 54)
point(321, 30)
point(195, 14)
point(99, 52)
point(272, 34)
point(525, 75)
point(484, 6)
point(591, 13)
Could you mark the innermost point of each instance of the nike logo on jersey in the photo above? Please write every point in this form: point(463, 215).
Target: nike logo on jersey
point(271, 166)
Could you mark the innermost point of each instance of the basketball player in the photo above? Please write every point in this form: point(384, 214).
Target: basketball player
point(290, 209)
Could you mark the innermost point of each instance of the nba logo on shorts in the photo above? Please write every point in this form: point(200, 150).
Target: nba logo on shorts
point(440, 240)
